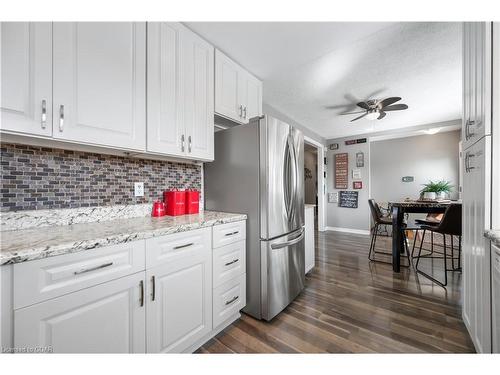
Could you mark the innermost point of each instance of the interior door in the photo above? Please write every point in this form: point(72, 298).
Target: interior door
point(107, 318)
point(100, 83)
point(26, 77)
point(281, 179)
point(283, 272)
point(476, 251)
point(165, 74)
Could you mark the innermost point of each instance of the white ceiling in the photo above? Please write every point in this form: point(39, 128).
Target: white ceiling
point(314, 71)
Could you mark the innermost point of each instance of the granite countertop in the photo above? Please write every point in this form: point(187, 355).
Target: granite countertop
point(37, 243)
point(493, 235)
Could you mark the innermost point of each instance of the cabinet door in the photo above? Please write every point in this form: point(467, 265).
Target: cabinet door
point(227, 90)
point(476, 252)
point(199, 96)
point(165, 89)
point(252, 97)
point(179, 303)
point(26, 76)
point(100, 83)
point(476, 81)
point(107, 318)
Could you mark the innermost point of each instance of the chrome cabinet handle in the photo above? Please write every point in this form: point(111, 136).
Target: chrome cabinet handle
point(44, 114)
point(469, 168)
point(241, 110)
point(232, 300)
point(189, 144)
point(182, 143)
point(183, 246)
point(141, 285)
point(231, 262)
point(93, 268)
point(153, 292)
point(61, 118)
point(468, 134)
point(245, 112)
point(232, 233)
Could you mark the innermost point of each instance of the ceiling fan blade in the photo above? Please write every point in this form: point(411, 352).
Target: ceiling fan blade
point(351, 113)
point(381, 116)
point(396, 107)
point(357, 118)
point(389, 101)
point(363, 105)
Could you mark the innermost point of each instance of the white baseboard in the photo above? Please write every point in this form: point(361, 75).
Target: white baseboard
point(349, 230)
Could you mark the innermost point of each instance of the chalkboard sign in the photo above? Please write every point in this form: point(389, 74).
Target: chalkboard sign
point(348, 199)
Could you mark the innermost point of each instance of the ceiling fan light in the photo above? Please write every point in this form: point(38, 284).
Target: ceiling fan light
point(372, 115)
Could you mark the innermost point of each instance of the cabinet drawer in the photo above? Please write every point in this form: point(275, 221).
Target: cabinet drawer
point(225, 234)
point(228, 262)
point(228, 299)
point(47, 278)
point(174, 247)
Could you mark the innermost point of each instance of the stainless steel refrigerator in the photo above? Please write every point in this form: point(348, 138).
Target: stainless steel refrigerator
point(259, 170)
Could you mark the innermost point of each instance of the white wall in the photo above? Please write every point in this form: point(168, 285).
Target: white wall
point(425, 157)
point(349, 218)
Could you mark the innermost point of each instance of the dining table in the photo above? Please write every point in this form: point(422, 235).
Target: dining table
point(398, 210)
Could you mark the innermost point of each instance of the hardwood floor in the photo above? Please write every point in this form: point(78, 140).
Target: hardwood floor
point(351, 305)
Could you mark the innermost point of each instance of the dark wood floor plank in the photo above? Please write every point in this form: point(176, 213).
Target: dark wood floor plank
point(351, 305)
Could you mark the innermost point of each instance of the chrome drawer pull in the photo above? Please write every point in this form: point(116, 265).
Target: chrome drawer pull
point(232, 300)
point(189, 144)
point(182, 142)
point(183, 246)
point(61, 118)
point(93, 268)
point(232, 233)
point(231, 262)
point(153, 281)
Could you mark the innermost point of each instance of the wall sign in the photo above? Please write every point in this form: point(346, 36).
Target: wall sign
point(355, 141)
point(357, 185)
point(334, 146)
point(360, 159)
point(348, 199)
point(407, 179)
point(341, 171)
point(356, 174)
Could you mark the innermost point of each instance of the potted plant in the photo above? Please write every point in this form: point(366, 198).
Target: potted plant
point(436, 190)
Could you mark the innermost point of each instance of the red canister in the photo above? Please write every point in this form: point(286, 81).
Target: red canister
point(158, 209)
point(175, 201)
point(192, 201)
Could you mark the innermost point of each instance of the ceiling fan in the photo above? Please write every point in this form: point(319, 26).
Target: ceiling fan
point(376, 109)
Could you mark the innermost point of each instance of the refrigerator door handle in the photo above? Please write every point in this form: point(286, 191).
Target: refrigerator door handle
point(297, 239)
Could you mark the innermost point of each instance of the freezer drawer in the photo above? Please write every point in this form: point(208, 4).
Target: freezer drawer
point(282, 272)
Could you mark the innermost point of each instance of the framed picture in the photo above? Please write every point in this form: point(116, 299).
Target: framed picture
point(357, 185)
point(360, 159)
point(334, 146)
point(341, 170)
point(356, 174)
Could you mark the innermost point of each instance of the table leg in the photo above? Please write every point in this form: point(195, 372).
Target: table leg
point(397, 238)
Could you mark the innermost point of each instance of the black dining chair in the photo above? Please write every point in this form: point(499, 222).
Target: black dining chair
point(451, 225)
point(380, 219)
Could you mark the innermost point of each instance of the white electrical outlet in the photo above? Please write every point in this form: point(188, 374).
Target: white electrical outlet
point(139, 189)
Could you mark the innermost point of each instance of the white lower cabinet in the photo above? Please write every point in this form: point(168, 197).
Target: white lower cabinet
point(179, 306)
point(108, 318)
point(160, 295)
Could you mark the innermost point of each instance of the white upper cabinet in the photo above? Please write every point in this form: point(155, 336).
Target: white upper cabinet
point(476, 81)
point(180, 92)
point(26, 77)
point(100, 83)
point(238, 94)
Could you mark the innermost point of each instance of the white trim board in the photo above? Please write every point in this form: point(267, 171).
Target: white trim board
point(349, 230)
point(321, 182)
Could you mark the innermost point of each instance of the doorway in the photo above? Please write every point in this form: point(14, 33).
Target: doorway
point(314, 180)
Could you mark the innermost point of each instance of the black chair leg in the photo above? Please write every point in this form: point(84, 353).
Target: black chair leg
point(445, 264)
point(373, 239)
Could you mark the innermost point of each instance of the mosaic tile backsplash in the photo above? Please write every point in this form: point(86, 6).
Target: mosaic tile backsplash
point(43, 178)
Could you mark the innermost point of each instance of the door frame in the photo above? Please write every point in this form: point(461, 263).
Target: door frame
point(320, 148)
